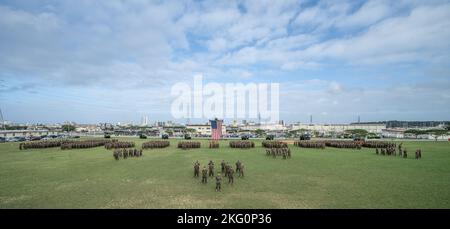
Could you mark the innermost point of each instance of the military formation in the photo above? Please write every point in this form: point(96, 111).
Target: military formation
point(226, 169)
point(274, 144)
point(125, 153)
point(189, 145)
point(391, 151)
point(344, 144)
point(214, 144)
point(155, 144)
point(242, 144)
point(378, 144)
point(119, 145)
point(310, 144)
point(285, 153)
point(329, 143)
point(41, 144)
point(85, 144)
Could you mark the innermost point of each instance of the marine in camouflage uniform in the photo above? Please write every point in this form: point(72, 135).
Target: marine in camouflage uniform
point(218, 182)
point(211, 169)
point(241, 171)
point(116, 154)
point(223, 166)
point(231, 176)
point(204, 175)
point(196, 169)
point(238, 166)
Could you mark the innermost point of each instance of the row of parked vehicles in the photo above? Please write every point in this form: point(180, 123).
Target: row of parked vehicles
point(35, 138)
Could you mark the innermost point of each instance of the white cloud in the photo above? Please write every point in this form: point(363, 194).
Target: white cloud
point(134, 46)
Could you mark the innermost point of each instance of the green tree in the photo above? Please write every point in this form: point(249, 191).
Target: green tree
point(169, 132)
point(259, 132)
point(7, 127)
point(292, 133)
point(416, 132)
point(436, 133)
point(190, 131)
point(358, 132)
point(68, 127)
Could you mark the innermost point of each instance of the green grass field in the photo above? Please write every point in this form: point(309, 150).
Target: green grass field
point(163, 178)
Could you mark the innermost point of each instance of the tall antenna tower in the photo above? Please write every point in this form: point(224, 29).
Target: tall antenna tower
point(359, 119)
point(310, 119)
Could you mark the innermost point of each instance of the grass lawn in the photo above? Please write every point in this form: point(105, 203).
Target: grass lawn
point(163, 178)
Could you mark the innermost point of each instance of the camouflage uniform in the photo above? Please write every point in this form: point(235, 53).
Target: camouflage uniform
point(223, 166)
point(230, 176)
point(218, 182)
point(204, 175)
point(196, 169)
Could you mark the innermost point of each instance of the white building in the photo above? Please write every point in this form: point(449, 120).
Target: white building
point(205, 129)
point(144, 120)
point(393, 133)
point(26, 133)
point(267, 127)
point(339, 128)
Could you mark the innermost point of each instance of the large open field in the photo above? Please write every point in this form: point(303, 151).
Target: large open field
point(163, 178)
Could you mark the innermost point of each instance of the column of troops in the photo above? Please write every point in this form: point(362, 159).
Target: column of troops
point(226, 169)
point(391, 151)
point(188, 145)
point(310, 144)
point(274, 144)
point(42, 144)
point(242, 144)
point(155, 144)
point(125, 153)
point(214, 144)
point(378, 144)
point(119, 145)
point(274, 152)
point(344, 144)
point(85, 144)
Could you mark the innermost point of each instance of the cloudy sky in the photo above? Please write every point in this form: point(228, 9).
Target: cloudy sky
point(97, 61)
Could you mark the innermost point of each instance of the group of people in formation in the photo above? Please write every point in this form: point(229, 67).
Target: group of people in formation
point(226, 169)
point(391, 151)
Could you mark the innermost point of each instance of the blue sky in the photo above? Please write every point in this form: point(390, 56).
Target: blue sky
point(97, 61)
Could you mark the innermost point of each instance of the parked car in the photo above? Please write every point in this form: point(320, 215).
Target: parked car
point(270, 137)
point(165, 136)
point(16, 139)
point(142, 136)
point(35, 138)
point(2, 139)
point(305, 137)
point(245, 137)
